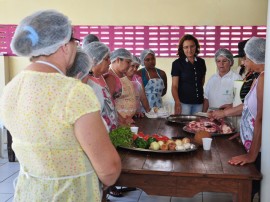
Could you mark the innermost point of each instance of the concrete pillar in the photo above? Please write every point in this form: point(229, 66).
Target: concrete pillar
point(265, 185)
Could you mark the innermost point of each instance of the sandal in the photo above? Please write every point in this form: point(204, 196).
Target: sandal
point(113, 191)
point(127, 189)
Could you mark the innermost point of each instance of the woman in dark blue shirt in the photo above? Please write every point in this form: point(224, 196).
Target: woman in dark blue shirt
point(188, 76)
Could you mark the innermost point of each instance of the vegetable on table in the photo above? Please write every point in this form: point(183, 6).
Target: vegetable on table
point(141, 143)
point(121, 136)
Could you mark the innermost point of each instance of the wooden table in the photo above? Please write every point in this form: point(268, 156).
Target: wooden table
point(186, 174)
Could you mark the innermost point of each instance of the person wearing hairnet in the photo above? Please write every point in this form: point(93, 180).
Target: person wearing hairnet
point(247, 83)
point(251, 120)
point(81, 65)
point(154, 79)
point(141, 99)
point(219, 88)
point(121, 88)
point(188, 76)
point(89, 39)
point(100, 54)
point(55, 120)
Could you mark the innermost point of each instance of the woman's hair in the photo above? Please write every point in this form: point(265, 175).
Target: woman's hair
point(184, 38)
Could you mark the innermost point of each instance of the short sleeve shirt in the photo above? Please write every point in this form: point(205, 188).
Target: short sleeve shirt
point(219, 90)
point(40, 109)
point(191, 76)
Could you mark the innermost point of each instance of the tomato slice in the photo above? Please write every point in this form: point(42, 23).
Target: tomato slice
point(135, 137)
point(140, 134)
point(146, 137)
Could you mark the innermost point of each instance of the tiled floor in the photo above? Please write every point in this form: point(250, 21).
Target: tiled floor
point(9, 171)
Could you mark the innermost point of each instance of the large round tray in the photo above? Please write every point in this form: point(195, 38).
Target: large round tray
point(158, 151)
point(182, 119)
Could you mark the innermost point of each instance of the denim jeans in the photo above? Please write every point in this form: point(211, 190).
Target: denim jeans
point(191, 109)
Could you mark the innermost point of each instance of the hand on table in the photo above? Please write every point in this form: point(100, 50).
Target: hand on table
point(241, 160)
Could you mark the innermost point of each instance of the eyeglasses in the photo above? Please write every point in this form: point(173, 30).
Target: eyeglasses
point(74, 39)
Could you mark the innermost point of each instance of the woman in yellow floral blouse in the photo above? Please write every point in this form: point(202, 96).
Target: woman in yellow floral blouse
point(59, 138)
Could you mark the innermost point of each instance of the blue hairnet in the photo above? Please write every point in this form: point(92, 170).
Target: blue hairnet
point(255, 50)
point(41, 33)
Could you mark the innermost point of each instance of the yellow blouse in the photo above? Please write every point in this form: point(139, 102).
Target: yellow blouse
point(40, 109)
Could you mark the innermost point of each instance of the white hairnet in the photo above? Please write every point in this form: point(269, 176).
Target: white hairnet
point(41, 33)
point(136, 60)
point(97, 51)
point(81, 65)
point(120, 53)
point(89, 39)
point(225, 53)
point(144, 53)
point(255, 50)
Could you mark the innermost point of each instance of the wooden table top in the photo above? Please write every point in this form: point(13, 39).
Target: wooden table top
point(202, 163)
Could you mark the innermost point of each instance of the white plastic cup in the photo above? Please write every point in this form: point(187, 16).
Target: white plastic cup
point(207, 143)
point(134, 129)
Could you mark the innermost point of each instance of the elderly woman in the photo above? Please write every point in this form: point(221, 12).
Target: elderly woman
point(248, 80)
point(154, 79)
point(100, 54)
point(141, 98)
point(219, 88)
point(55, 120)
point(188, 76)
point(121, 88)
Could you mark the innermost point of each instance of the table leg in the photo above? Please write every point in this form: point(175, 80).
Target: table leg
point(244, 193)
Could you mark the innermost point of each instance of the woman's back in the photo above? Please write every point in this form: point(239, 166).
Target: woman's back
point(46, 106)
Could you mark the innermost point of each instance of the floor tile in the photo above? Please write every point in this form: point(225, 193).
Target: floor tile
point(150, 198)
point(214, 197)
point(10, 200)
point(8, 169)
point(6, 188)
point(5, 197)
point(132, 196)
point(196, 198)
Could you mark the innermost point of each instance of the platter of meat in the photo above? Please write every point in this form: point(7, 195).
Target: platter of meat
point(214, 127)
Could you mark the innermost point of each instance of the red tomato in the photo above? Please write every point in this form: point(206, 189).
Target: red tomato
point(146, 137)
point(135, 137)
point(165, 138)
point(140, 134)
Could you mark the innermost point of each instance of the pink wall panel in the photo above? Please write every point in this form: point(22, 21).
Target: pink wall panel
point(162, 39)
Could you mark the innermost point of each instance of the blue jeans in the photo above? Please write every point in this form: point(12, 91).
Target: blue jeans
point(191, 109)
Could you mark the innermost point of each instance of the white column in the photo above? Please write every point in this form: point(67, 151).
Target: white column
point(4, 72)
point(4, 76)
point(265, 185)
